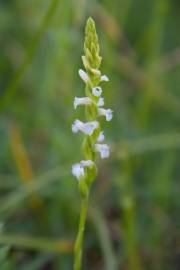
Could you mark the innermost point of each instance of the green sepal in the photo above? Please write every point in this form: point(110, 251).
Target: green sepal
point(95, 135)
point(89, 58)
point(86, 62)
point(91, 174)
point(83, 188)
point(91, 112)
point(88, 152)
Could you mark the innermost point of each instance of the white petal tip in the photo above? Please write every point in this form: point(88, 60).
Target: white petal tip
point(87, 163)
point(81, 101)
point(77, 170)
point(104, 78)
point(107, 113)
point(84, 76)
point(103, 149)
point(101, 137)
point(87, 128)
point(97, 91)
point(100, 102)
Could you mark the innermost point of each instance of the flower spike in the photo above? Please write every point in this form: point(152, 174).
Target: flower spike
point(85, 171)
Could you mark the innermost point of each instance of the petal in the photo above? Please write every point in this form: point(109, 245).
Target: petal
point(97, 91)
point(77, 170)
point(76, 126)
point(87, 163)
point(100, 102)
point(104, 78)
point(101, 137)
point(89, 127)
point(103, 149)
point(84, 76)
point(81, 101)
point(108, 113)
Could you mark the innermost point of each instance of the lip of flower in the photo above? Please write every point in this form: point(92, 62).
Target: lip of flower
point(104, 78)
point(103, 149)
point(101, 137)
point(87, 128)
point(78, 168)
point(82, 101)
point(97, 91)
point(100, 102)
point(107, 113)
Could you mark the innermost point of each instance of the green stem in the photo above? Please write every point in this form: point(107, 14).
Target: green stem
point(80, 235)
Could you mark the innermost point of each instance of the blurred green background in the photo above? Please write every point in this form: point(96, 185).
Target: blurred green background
point(133, 221)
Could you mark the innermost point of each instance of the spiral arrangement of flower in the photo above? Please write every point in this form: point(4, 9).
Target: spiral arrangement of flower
point(86, 170)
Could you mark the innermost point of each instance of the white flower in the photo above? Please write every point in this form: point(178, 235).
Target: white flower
point(77, 170)
point(87, 163)
point(100, 102)
point(100, 137)
point(97, 91)
point(81, 101)
point(103, 149)
point(84, 76)
point(107, 113)
point(87, 128)
point(104, 78)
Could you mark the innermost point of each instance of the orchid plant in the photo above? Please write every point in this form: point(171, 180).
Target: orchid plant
point(86, 170)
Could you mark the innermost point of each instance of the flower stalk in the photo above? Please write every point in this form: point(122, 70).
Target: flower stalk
point(86, 170)
point(80, 235)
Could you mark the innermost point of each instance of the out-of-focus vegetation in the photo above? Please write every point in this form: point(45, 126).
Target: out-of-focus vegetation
point(133, 220)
